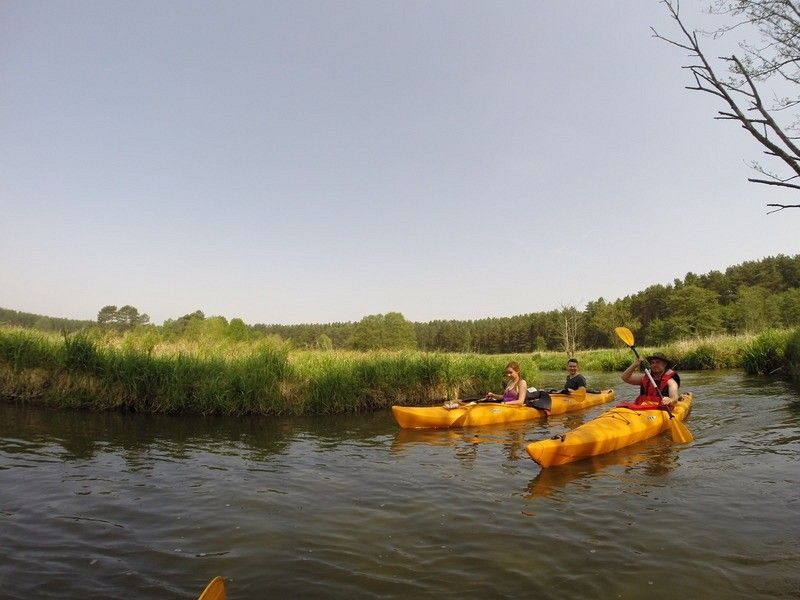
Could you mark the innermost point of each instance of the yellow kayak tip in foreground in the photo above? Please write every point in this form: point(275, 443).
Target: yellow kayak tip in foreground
point(215, 590)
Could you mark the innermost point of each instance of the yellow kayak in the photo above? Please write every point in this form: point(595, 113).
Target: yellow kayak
point(493, 413)
point(611, 431)
point(215, 590)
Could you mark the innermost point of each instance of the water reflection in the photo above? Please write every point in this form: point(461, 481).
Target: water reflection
point(81, 435)
point(654, 457)
point(512, 439)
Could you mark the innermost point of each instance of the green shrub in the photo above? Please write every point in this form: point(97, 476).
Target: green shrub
point(26, 350)
point(791, 355)
point(765, 354)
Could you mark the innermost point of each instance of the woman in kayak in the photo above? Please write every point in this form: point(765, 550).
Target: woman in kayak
point(667, 380)
point(516, 389)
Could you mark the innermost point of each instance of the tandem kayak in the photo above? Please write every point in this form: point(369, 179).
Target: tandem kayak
point(493, 413)
point(611, 431)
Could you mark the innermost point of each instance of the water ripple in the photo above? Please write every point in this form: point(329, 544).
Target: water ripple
point(100, 505)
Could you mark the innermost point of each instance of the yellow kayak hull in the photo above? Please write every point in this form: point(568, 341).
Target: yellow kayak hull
point(611, 431)
point(492, 413)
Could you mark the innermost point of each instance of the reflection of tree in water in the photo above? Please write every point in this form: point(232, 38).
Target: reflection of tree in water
point(141, 437)
point(330, 431)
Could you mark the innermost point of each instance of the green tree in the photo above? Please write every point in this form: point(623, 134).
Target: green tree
point(107, 315)
point(694, 311)
point(605, 317)
point(754, 309)
point(390, 331)
point(237, 330)
point(125, 317)
point(789, 303)
point(128, 316)
point(324, 342)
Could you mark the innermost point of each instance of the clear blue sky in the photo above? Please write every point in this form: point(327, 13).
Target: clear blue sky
point(289, 162)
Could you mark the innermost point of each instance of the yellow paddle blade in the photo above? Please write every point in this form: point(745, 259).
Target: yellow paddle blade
point(626, 335)
point(680, 433)
point(215, 590)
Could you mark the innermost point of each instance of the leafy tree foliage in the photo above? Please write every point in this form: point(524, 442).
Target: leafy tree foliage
point(390, 331)
point(124, 318)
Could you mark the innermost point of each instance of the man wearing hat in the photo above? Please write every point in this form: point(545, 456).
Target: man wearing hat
point(667, 380)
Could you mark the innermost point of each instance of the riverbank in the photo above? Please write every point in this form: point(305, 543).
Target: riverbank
point(267, 377)
point(264, 377)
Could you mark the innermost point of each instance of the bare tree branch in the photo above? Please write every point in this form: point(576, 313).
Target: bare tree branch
point(778, 23)
point(781, 207)
point(778, 183)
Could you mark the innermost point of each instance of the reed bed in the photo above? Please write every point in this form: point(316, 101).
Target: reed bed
point(267, 377)
point(264, 377)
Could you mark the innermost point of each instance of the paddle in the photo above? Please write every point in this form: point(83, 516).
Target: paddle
point(215, 590)
point(465, 402)
point(680, 433)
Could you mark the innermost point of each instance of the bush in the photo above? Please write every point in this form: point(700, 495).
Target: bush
point(791, 355)
point(765, 354)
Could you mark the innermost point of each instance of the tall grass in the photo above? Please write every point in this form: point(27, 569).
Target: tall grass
point(267, 377)
point(765, 353)
point(792, 355)
point(234, 378)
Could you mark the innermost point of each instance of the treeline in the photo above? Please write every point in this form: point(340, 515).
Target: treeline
point(41, 322)
point(749, 297)
point(746, 298)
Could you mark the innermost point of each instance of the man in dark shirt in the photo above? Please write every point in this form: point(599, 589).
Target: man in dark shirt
point(574, 379)
point(541, 399)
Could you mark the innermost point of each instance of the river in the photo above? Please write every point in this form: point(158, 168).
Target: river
point(117, 505)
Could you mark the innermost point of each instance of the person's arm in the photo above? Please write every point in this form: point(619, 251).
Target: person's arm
point(672, 393)
point(630, 377)
point(522, 391)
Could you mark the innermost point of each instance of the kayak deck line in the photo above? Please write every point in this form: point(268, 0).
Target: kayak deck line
point(617, 428)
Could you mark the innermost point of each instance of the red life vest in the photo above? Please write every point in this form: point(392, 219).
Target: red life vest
point(648, 393)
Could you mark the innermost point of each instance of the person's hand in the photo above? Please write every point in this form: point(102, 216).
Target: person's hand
point(667, 401)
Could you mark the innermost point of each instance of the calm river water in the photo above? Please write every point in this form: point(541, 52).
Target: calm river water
point(142, 506)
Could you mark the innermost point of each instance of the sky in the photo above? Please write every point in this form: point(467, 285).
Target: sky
point(319, 161)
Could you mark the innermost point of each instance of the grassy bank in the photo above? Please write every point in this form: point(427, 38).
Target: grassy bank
point(267, 377)
point(229, 378)
point(766, 353)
